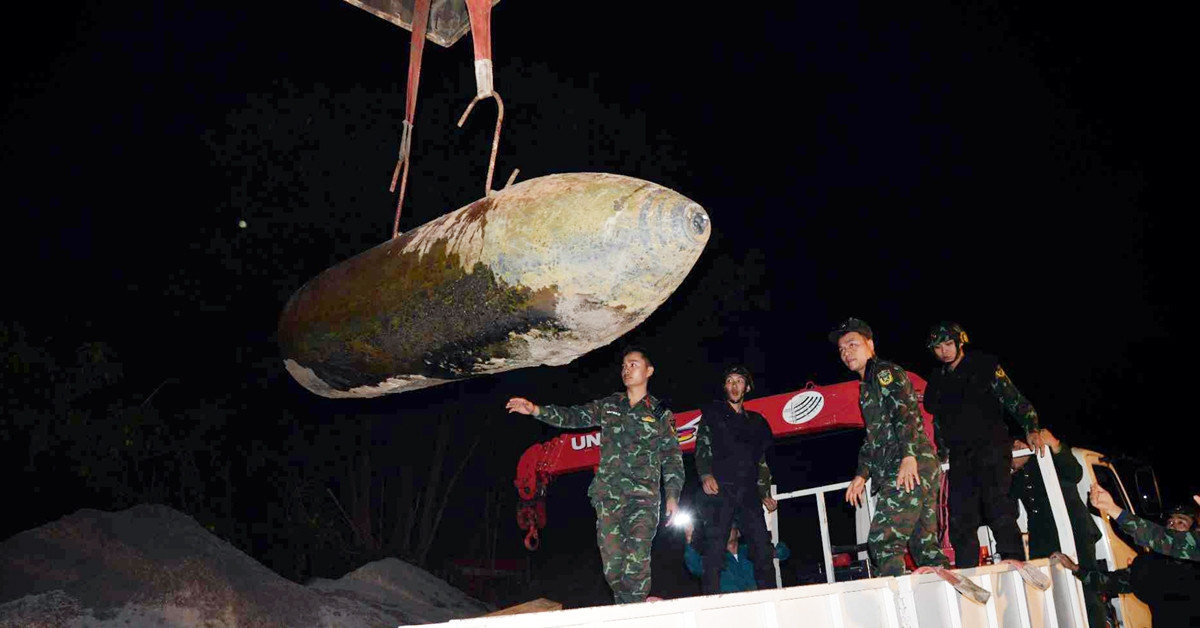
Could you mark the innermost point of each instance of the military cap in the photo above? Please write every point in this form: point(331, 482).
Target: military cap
point(849, 325)
point(944, 331)
point(1182, 510)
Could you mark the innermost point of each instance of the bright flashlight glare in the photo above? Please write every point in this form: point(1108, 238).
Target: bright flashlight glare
point(682, 519)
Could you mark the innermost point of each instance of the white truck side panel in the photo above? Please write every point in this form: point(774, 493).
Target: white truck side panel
point(901, 602)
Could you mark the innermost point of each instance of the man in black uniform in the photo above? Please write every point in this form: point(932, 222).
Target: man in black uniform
point(731, 447)
point(1027, 486)
point(968, 395)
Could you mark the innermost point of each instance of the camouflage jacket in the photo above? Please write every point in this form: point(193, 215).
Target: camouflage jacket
point(1185, 545)
point(637, 444)
point(893, 421)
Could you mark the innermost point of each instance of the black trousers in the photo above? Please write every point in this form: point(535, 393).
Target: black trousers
point(719, 511)
point(980, 476)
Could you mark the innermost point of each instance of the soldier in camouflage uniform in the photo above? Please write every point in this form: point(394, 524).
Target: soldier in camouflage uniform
point(637, 445)
point(1167, 580)
point(1173, 543)
point(1169, 586)
point(896, 455)
point(968, 395)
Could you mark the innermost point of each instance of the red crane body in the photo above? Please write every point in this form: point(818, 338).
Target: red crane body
point(812, 410)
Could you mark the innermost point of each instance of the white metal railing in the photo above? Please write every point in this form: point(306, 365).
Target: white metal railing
point(826, 545)
point(864, 513)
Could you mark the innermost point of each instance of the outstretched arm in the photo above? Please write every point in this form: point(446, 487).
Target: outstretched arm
point(570, 417)
point(1185, 545)
point(1107, 582)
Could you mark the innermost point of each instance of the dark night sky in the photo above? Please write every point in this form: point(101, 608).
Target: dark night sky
point(1007, 166)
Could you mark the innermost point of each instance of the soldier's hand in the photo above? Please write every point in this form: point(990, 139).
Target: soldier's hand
point(1036, 443)
point(770, 504)
point(521, 405)
point(687, 532)
point(1050, 440)
point(671, 508)
point(1065, 561)
point(907, 478)
point(709, 484)
point(1103, 501)
point(1196, 498)
point(854, 493)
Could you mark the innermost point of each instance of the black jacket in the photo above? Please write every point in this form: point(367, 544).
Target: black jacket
point(966, 410)
point(731, 445)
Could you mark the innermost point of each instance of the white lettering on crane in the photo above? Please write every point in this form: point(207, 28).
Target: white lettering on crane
point(585, 441)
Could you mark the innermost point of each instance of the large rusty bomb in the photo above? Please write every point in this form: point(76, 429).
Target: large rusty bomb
point(539, 273)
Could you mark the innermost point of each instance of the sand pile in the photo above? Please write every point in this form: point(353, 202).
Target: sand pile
point(152, 565)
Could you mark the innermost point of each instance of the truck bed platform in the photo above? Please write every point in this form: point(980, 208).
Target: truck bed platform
point(911, 601)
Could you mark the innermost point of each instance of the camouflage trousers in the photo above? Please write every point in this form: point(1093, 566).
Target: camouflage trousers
point(907, 520)
point(625, 529)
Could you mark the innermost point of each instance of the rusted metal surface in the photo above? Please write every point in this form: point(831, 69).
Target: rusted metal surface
point(448, 19)
point(536, 274)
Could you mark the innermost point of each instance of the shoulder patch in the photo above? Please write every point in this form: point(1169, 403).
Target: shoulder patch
point(648, 419)
point(885, 377)
point(1000, 372)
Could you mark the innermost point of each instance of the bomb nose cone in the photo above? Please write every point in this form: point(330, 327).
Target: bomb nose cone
point(696, 222)
point(670, 222)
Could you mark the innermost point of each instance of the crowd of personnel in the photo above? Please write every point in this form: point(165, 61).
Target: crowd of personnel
point(969, 395)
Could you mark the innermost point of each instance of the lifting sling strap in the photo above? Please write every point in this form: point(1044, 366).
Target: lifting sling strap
point(416, 48)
